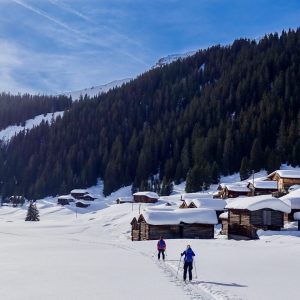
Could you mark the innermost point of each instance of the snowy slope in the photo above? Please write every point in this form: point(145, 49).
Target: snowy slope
point(96, 90)
point(89, 255)
point(7, 133)
point(171, 58)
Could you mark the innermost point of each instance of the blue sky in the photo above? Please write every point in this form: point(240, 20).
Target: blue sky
point(50, 46)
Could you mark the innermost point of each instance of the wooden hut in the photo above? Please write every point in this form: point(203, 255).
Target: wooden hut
point(78, 193)
point(297, 218)
point(247, 215)
point(65, 199)
point(122, 200)
point(82, 204)
point(294, 199)
point(262, 187)
point(224, 222)
point(218, 205)
point(285, 178)
point(135, 230)
point(145, 197)
point(174, 224)
point(88, 197)
point(235, 190)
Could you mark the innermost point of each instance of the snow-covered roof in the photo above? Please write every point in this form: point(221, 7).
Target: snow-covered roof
point(224, 215)
point(197, 195)
point(286, 173)
point(293, 187)
point(172, 198)
point(89, 195)
point(66, 197)
point(267, 184)
point(79, 191)
point(215, 204)
point(260, 202)
point(83, 201)
point(125, 199)
point(297, 216)
point(175, 217)
point(161, 207)
point(237, 188)
point(147, 194)
point(293, 198)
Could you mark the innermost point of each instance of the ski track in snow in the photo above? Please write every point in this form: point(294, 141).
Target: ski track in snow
point(196, 289)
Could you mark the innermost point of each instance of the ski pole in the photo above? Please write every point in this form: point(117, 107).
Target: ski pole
point(178, 267)
point(195, 269)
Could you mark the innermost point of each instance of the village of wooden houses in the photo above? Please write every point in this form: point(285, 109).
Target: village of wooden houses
point(239, 209)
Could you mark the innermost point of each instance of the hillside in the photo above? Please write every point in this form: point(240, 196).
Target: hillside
point(222, 110)
point(96, 90)
point(17, 109)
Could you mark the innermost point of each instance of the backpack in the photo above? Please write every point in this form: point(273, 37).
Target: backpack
point(189, 255)
point(161, 244)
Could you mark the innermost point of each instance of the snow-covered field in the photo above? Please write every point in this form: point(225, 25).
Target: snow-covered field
point(89, 255)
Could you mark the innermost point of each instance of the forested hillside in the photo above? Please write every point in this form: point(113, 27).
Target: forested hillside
point(222, 110)
point(16, 109)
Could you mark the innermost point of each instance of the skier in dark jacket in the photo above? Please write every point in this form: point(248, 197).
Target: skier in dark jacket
point(161, 247)
point(188, 262)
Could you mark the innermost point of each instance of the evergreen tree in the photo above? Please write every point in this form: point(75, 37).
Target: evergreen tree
point(245, 171)
point(32, 212)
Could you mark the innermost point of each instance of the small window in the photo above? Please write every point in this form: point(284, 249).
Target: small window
point(266, 217)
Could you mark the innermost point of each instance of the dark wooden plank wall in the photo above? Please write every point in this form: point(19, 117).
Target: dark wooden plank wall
point(144, 199)
point(198, 231)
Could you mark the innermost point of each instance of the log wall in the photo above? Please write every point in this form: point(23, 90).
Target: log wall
point(144, 199)
point(246, 223)
point(154, 232)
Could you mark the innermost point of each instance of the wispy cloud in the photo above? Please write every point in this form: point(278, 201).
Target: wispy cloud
point(109, 41)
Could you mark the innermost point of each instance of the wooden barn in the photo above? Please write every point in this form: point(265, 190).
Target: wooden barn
point(88, 197)
point(247, 215)
point(235, 190)
point(65, 199)
point(145, 197)
point(294, 199)
point(82, 204)
point(78, 193)
point(122, 200)
point(285, 178)
point(175, 224)
point(224, 222)
point(262, 187)
point(218, 205)
point(297, 218)
point(135, 230)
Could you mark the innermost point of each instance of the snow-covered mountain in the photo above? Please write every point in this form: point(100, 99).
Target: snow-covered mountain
point(171, 58)
point(96, 90)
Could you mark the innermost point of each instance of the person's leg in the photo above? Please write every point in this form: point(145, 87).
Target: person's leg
point(190, 270)
point(185, 267)
point(158, 254)
point(163, 254)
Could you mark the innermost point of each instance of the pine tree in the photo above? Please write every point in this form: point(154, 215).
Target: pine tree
point(32, 212)
point(245, 169)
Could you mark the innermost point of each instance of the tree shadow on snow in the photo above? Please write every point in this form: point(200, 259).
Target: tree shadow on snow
point(222, 283)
